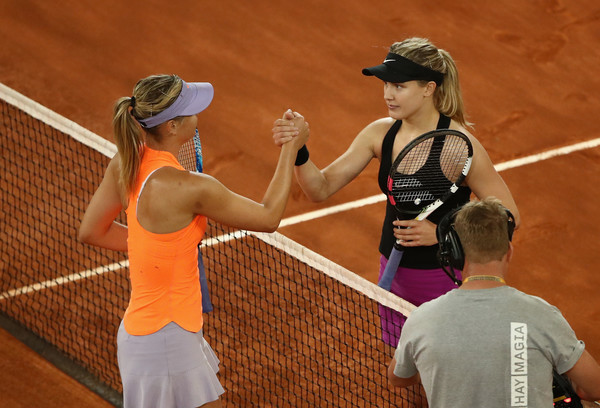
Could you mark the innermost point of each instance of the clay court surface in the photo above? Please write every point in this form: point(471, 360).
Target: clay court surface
point(529, 75)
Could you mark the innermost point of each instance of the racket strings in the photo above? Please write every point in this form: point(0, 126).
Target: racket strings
point(187, 156)
point(454, 158)
point(190, 154)
point(429, 170)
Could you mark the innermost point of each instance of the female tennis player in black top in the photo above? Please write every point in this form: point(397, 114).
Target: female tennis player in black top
point(422, 93)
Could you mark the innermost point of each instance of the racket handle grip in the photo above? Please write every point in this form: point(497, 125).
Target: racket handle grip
point(390, 269)
point(206, 303)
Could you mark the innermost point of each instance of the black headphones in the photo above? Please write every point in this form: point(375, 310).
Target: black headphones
point(450, 253)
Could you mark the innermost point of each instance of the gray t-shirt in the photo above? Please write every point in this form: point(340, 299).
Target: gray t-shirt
point(487, 348)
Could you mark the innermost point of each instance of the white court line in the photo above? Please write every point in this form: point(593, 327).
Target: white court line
point(561, 151)
point(300, 218)
point(535, 158)
point(64, 279)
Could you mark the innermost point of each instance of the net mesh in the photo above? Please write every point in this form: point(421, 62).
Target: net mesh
point(290, 328)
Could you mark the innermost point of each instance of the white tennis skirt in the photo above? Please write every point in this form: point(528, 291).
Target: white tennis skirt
point(172, 368)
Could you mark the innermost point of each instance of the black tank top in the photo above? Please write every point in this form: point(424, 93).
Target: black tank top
point(422, 257)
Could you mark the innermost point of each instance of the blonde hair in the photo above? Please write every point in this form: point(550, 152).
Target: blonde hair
point(447, 97)
point(151, 96)
point(482, 227)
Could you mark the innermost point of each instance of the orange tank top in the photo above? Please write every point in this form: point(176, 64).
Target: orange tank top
point(163, 268)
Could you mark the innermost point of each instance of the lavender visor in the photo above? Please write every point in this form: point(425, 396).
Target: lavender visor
point(193, 99)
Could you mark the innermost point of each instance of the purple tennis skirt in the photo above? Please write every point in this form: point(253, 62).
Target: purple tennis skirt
point(169, 368)
point(416, 286)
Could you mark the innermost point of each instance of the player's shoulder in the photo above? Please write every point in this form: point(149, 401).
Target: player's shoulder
point(380, 125)
point(454, 125)
point(171, 175)
point(466, 131)
point(373, 134)
point(113, 170)
point(115, 162)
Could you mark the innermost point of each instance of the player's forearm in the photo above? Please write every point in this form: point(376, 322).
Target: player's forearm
point(312, 181)
point(115, 237)
point(276, 196)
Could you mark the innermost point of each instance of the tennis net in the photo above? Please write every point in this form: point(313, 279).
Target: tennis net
point(291, 328)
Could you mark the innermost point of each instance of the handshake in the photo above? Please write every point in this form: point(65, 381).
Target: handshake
point(290, 127)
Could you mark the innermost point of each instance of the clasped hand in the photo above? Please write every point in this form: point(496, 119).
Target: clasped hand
point(290, 126)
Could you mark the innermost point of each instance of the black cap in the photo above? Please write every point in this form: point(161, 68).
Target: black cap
point(397, 69)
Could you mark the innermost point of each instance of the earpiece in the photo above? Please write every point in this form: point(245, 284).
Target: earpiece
point(450, 253)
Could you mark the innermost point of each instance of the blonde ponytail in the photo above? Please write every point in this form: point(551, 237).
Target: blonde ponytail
point(151, 96)
point(447, 97)
point(128, 137)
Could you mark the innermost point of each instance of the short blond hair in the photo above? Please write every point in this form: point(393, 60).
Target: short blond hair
point(482, 227)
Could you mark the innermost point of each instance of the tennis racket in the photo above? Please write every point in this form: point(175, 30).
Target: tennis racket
point(190, 157)
point(190, 154)
point(423, 176)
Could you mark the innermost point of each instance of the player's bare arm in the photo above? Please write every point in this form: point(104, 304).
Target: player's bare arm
point(98, 226)
point(484, 180)
point(318, 185)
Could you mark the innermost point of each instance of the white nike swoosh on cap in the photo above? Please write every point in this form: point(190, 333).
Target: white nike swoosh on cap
point(388, 60)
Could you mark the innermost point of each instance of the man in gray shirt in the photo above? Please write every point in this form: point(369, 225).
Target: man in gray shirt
point(487, 344)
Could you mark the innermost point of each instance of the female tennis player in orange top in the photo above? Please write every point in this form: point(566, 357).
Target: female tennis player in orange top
point(163, 358)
